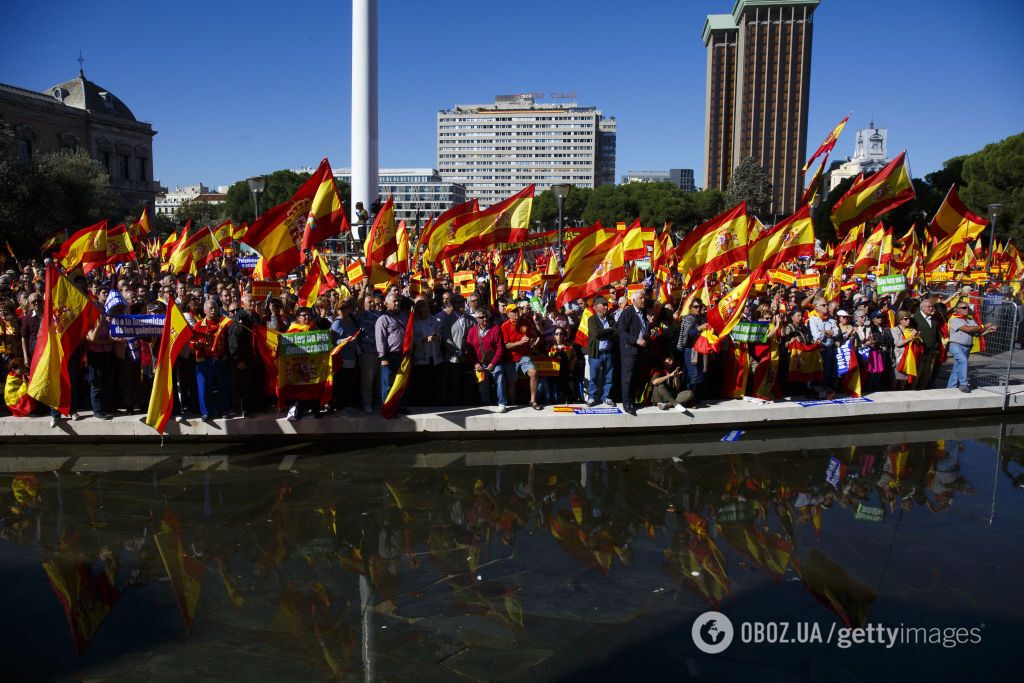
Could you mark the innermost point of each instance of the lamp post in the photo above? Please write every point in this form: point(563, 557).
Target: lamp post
point(993, 212)
point(561, 191)
point(256, 185)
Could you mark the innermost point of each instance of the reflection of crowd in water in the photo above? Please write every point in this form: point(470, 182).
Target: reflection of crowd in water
point(249, 534)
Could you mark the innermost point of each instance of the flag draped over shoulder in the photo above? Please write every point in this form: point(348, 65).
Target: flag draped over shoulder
point(506, 222)
point(874, 195)
point(789, 240)
point(68, 315)
point(715, 245)
point(313, 214)
point(401, 380)
point(175, 337)
point(86, 248)
point(952, 215)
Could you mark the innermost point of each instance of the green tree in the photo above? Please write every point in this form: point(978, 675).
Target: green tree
point(199, 212)
point(750, 184)
point(995, 175)
point(544, 214)
point(281, 185)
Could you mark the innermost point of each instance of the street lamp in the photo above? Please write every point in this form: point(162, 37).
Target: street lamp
point(256, 185)
point(993, 212)
point(561, 191)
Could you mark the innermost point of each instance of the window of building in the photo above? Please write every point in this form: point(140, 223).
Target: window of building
point(142, 169)
point(105, 160)
point(24, 150)
point(123, 163)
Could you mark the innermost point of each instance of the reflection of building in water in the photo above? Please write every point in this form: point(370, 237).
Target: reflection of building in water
point(869, 156)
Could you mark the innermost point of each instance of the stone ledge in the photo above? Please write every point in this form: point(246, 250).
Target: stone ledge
point(486, 421)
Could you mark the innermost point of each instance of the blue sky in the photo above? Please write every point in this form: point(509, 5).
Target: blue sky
point(236, 89)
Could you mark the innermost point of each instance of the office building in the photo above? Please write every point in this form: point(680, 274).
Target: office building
point(680, 177)
point(417, 191)
point(497, 149)
point(758, 74)
point(81, 114)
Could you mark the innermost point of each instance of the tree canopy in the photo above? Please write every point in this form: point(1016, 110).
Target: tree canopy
point(995, 175)
point(750, 184)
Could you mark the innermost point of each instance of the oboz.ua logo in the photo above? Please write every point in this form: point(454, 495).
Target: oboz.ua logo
point(712, 632)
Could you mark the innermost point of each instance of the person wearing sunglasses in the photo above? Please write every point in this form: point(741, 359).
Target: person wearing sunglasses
point(962, 331)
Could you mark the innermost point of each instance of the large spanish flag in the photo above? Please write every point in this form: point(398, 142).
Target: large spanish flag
point(175, 337)
point(717, 244)
point(829, 143)
point(86, 248)
point(318, 280)
point(119, 245)
point(381, 247)
point(68, 315)
point(435, 236)
point(952, 214)
point(313, 214)
point(401, 381)
point(589, 274)
point(506, 222)
point(874, 195)
point(788, 240)
point(949, 247)
point(870, 252)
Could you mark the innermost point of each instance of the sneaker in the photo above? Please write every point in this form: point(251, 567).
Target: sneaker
point(682, 409)
point(663, 406)
point(75, 416)
point(54, 421)
point(105, 416)
point(966, 389)
point(293, 413)
point(207, 419)
point(609, 402)
point(181, 419)
point(591, 403)
point(630, 410)
point(502, 408)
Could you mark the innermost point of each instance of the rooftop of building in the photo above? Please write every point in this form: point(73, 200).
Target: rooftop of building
point(741, 5)
point(716, 22)
point(520, 103)
point(82, 93)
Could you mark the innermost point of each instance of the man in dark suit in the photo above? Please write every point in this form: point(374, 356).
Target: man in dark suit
point(633, 343)
point(927, 324)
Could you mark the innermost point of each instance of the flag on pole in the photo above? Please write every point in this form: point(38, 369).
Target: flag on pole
point(175, 337)
point(874, 195)
point(828, 144)
point(714, 246)
point(952, 214)
point(86, 248)
point(506, 222)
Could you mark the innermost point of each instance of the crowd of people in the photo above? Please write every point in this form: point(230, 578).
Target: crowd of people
point(475, 346)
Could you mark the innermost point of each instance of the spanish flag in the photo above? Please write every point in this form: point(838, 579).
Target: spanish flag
point(949, 247)
point(874, 195)
point(401, 381)
point(192, 252)
point(119, 245)
point(912, 354)
point(906, 247)
point(401, 264)
point(167, 248)
point(952, 215)
point(175, 337)
point(52, 242)
point(436, 236)
point(224, 233)
point(829, 143)
point(318, 280)
point(724, 315)
point(185, 573)
point(238, 231)
point(354, 271)
point(68, 315)
point(16, 394)
point(633, 245)
point(804, 362)
point(849, 242)
point(87, 598)
point(870, 252)
point(313, 214)
point(789, 240)
point(381, 247)
point(86, 248)
point(506, 222)
point(714, 246)
point(815, 183)
point(582, 337)
point(142, 226)
point(589, 274)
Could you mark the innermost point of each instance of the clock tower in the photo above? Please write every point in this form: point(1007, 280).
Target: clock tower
point(871, 146)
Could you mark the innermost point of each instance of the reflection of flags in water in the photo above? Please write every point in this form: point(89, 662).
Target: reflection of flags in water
point(185, 573)
point(87, 599)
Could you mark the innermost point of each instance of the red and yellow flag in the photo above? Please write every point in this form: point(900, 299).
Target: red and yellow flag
point(318, 280)
point(589, 274)
point(849, 242)
point(87, 598)
point(401, 264)
point(142, 225)
point(313, 214)
point(175, 337)
point(788, 240)
point(814, 185)
point(224, 234)
point(381, 247)
point(119, 245)
point(401, 380)
point(870, 251)
point(355, 272)
point(185, 573)
point(724, 315)
point(874, 195)
point(435, 236)
point(714, 246)
point(16, 394)
point(952, 215)
point(948, 248)
point(194, 251)
point(68, 315)
point(86, 248)
point(506, 222)
point(829, 143)
point(633, 246)
point(51, 242)
point(168, 244)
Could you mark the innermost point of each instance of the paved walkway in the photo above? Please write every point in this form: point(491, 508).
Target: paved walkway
point(722, 416)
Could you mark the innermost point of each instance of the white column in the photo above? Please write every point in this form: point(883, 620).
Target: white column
point(364, 103)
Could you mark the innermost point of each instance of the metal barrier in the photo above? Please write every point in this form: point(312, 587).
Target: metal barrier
point(993, 365)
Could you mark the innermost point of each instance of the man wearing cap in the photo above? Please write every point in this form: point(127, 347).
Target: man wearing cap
point(520, 336)
point(601, 342)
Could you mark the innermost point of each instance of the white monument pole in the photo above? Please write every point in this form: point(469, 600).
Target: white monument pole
point(364, 103)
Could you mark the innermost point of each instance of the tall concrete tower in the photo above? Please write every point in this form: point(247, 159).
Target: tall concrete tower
point(766, 53)
point(365, 181)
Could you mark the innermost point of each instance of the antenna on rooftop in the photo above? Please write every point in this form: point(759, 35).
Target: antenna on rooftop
point(81, 64)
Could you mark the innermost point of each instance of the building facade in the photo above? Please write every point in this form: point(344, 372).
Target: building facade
point(680, 177)
point(495, 150)
point(81, 114)
point(418, 192)
point(870, 154)
point(758, 78)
